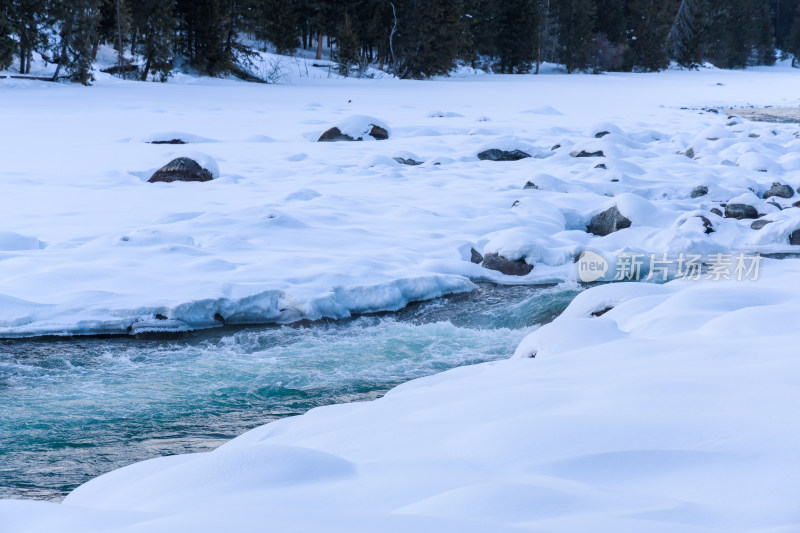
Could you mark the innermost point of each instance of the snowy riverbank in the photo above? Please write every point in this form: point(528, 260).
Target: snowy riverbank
point(670, 413)
point(297, 229)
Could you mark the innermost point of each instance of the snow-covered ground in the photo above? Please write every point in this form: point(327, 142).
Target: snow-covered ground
point(671, 412)
point(295, 229)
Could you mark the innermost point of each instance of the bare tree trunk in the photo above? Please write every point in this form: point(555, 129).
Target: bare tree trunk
point(319, 46)
point(391, 37)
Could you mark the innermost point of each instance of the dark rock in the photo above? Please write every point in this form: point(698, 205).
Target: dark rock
point(614, 180)
point(689, 153)
point(600, 134)
point(219, 318)
point(159, 316)
point(754, 135)
point(601, 312)
point(409, 161)
point(775, 204)
point(707, 224)
point(700, 190)
point(555, 147)
point(475, 256)
point(584, 153)
point(796, 204)
point(794, 237)
point(505, 266)
point(493, 154)
point(716, 211)
point(740, 211)
point(601, 165)
point(181, 169)
point(515, 204)
point(530, 185)
point(335, 134)
point(779, 190)
point(607, 222)
point(758, 224)
point(171, 141)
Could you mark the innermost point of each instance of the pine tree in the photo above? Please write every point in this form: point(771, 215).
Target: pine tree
point(575, 19)
point(517, 36)
point(347, 47)
point(28, 18)
point(649, 23)
point(429, 36)
point(792, 42)
point(278, 25)
point(7, 45)
point(154, 22)
point(78, 21)
point(686, 34)
point(207, 31)
point(782, 14)
point(762, 34)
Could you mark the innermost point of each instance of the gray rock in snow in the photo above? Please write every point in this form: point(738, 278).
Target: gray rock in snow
point(700, 190)
point(335, 134)
point(181, 169)
point(779, 190)
point(493, 154)
point(506, 266)
point(608, 222)
point(740, 211)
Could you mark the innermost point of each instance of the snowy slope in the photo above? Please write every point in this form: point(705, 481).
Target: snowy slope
point(677, 416)
point(297, 229)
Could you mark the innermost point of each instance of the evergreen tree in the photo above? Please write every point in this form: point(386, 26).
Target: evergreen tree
point(27, 18)
point(7, 45)
point(782, 14)
point(517, 36)
point(154, 34)
point(429, 36)
point(762, 34)
point(347, 47)
point(649, 23)
point(686, 34)
point(610, 20)
point(78, 21)
point(278, 25)
point(792, 42)
point(207, 31)
point(575, 19)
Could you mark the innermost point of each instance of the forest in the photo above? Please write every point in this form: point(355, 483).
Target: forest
point(407, 38)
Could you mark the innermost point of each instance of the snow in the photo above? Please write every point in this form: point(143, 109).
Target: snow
point(669, 413)
point(289, 225)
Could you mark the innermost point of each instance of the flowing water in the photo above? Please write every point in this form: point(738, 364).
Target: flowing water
point(73, 409)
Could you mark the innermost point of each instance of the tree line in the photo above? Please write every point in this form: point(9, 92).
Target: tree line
point(410, 38)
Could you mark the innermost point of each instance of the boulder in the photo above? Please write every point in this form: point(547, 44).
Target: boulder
point(601, 165)
point(779, 190)
point(600, 134)
point(530, 185)
point(335, 134)
point(794, 237)
point(584, 153)
point(181, 169)
point(700, 190)
point(475, 256)
point(608, 222)
point(740, 211)
point(407, 161)
point(758, 224)
point(707, 224)
point(716, 211)
point(689, 153)
point(506, 266)
point(494, 154)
